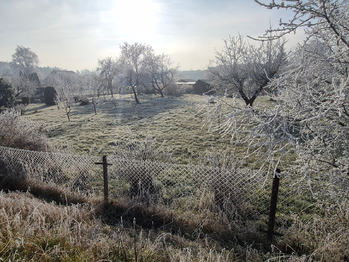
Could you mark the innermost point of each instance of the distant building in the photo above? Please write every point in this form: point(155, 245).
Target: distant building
point(182, 82)
point(201, 87)
point(57, 76)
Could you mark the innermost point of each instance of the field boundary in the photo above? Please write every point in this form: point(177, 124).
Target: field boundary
point(243, 196)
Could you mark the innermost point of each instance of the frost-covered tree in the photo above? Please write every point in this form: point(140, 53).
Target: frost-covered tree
point(94, 85)
point(24, 60)
point(108, 70)
point(133, 61)
point(67, 86)
point(161, 74)
point(25, 85)
point(310, 118)
point(246, 69)
point(228, 70)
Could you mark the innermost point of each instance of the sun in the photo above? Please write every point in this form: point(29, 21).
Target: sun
point(136, 17)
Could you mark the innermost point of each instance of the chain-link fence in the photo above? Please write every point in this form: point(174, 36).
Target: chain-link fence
point(243, 195)
point(72, 172)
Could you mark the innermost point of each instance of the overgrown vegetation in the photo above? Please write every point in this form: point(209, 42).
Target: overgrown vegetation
point(20, 132)
point(34, 229)
point(190, 231)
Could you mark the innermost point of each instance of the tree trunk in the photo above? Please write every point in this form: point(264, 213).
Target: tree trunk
point(161, 93)
point(68, 109)
point(135, 94)
point(110, 87)
point(249, 101)
point(94, 108)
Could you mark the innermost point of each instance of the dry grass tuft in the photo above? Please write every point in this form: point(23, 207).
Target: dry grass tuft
point(33, 230)
point(123, 230)
point(323, 237)
point(20, 132)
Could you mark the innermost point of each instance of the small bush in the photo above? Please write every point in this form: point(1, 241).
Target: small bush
point(83, 100)
point(149, 150)
point(25, 100)
point(173, 90)
point(19, 132)
point(50, 94)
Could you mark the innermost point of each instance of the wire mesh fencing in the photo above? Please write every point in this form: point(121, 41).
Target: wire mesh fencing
point(168, 184)
point(72, 172)
point(243, 195)
point(143, 181)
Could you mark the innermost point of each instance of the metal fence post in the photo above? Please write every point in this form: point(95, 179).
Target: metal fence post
point(105, 177)
point(273, 203)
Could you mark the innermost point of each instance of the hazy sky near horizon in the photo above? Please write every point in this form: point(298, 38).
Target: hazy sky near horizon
point(74, 34)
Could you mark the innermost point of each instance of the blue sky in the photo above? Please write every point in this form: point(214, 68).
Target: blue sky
point(74, 34)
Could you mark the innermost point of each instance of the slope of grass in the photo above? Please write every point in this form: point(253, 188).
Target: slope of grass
point(81, 229)
point(176, 122)
point(35, 230)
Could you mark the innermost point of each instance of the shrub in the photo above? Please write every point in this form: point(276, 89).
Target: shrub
point(50, 94)
point(173, 90)
point(149, 150)
point(25, 100)
point(7, 94)
point(83, 100)
point(19, 132)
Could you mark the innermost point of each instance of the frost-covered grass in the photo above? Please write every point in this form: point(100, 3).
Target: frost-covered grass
point(175, 122)
point(36, 230)
point(81, 229)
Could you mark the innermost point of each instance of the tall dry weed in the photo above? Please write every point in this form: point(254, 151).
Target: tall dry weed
point(33, 230)
point(20, 132)
point(323, 237)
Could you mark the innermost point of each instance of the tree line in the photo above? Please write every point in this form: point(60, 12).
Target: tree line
point(138, 70)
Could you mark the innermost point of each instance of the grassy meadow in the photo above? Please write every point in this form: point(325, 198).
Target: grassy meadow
point(177, 123)
point(50, 223)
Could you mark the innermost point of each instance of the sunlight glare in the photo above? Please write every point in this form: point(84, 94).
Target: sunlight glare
point(136, 17)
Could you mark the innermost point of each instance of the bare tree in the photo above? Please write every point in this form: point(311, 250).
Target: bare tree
point(108, 71)
point(264, 63)
point(25, 85)
point(94, 84)
point(326, 17)
point(66, 84)
point(133, 61)
point(24, 60)
point(161, 73)
point(311, 114)
point(246, 69)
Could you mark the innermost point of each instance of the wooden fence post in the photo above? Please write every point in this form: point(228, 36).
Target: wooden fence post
point(273, 203)
point(105, 177)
